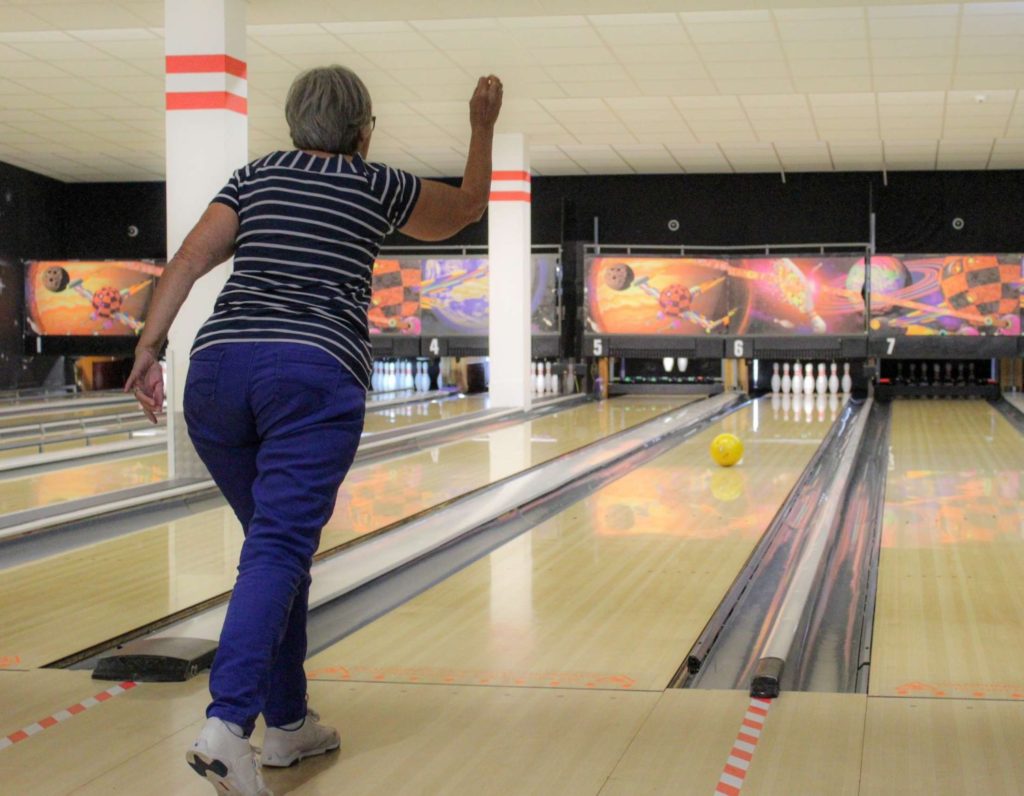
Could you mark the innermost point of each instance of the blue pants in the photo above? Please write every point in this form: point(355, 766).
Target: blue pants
point(277, 425)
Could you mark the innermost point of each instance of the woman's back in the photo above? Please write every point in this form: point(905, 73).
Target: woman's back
point(309, 231)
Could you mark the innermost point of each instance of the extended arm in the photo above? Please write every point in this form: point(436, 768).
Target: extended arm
point(443, 210)
point(210, 243)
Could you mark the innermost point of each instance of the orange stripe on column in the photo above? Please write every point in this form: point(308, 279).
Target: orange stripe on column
point(510, 196)
point(177, 64)
point(206, 100)
point(511, 175)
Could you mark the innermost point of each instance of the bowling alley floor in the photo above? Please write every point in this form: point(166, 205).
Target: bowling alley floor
point(542, 667)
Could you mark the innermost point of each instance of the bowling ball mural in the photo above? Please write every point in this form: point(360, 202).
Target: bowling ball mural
point(771, 295)
point(795, 295)
point(963, 294)
point(395, 297)
point(82, 298)
point(648, 295)
point(454, 296)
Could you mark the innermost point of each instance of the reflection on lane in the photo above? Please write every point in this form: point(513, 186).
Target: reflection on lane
point(409, 414)
point(950, 600)
point(611, 592)
point(169, 567)
point(73, 483)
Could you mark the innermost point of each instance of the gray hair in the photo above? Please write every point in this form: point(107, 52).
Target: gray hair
point(327, 108)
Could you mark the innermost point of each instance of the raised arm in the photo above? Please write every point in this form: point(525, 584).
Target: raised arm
point(211, 242)
point(443, 210)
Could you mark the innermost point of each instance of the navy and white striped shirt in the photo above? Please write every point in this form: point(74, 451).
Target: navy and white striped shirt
point(309, 232)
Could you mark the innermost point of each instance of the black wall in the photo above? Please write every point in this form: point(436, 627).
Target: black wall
point(110, 220)
point(915, 211)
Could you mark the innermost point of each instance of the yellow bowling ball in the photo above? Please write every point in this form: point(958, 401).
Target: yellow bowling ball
point(726, 449)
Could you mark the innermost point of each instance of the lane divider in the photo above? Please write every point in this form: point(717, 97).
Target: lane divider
point(64, 715)
point(734, 773)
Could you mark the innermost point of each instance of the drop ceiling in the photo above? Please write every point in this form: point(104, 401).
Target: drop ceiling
point(671, 87)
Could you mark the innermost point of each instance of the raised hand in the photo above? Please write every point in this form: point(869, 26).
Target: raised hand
point(485, 103)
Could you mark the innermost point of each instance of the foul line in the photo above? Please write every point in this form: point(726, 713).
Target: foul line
point(64, 715)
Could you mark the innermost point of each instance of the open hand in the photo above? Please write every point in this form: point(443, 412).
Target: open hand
point(485, 103)
point(147, 382)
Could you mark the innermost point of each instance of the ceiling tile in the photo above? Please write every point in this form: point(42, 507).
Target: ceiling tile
point(670, 34)
point(792, 30)
point(730, 32)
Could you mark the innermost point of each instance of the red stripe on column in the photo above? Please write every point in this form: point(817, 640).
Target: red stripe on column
point(510, 196)
point(177, 64)
point(511, 175)
point(206, 100)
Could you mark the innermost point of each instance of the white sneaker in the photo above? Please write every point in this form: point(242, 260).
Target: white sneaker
point(226, 761)
point(283, 747)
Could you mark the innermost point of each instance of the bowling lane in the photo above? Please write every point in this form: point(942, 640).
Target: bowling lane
point(82, 481)
point(950, 604)
point(411, 414)
point(88, 480)
point(56, 606)
point(612, 592)
point(38, 413)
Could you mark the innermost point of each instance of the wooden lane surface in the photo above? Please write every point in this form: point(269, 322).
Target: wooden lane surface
point(56, 606)
point(611, 593)
point(80, 481)
point(950, 606)
point(420, 738)
point(396, 741)
point(411, 414)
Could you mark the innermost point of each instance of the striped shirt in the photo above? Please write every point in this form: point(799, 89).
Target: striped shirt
point(309, 232)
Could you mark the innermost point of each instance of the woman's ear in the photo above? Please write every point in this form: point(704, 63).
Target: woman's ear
point(363, 147)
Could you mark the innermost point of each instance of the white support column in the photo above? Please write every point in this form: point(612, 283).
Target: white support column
point(508, 245)
point(207, 139)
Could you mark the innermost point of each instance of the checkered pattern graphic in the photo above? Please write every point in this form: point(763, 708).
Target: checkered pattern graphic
point(981, 285)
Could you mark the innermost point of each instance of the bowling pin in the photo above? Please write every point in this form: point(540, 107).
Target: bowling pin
point(776, 378)
point(375, 378)
point(682, 363)
point(821, 384)
point(668, 363)
point(440, 375)
point(847, 382)
point(539, 381)
point(833, 380)
point(533, 377)
point(809, 379)
point(798, 379)
point(550, 382)
point(787, 381)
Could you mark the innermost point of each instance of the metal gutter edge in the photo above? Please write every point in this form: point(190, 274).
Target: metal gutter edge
point(768, 556)
point(778, 647)
point(1011, 408)
point(21, 466)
